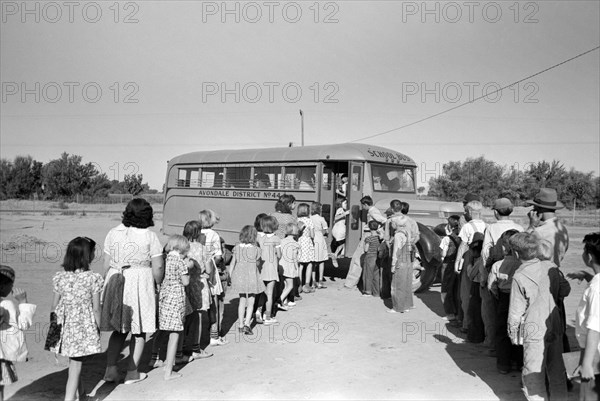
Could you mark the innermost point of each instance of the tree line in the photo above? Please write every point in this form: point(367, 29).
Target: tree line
point(64, 178)
point(491, 181)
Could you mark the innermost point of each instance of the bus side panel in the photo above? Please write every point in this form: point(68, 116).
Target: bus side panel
point(182, 205)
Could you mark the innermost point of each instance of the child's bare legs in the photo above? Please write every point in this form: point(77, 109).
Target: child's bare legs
point(242, 310)
point(136, 349)
point(170, 359)
point(308, 274)
point(115, 344)
point(301, 267)
point(269, 293)
point(249, 309)
point(289, 286)
point(74, 384)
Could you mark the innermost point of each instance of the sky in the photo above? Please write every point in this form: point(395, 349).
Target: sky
point(129, 85)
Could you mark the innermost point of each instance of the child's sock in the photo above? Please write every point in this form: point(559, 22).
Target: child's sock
point(214, 333)
point(268, 315)
point(154, 356)
point(196, 348)
point(179, 355)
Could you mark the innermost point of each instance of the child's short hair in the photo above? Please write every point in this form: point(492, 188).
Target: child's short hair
point(284, 203)
point(396, 205)
point(208, 218)
point(178, 243)
point(7, 275)
point(315, 208)
point(366, 200)
point(454, 220)
point(303, 210)
point(505, 241)
point(545, 250)
point(269, 224)
point(191, 230)
point(405, 207)
point(373, 225)
point(525, 244)
point(248, 235)
point(258, 221)
point(592, 245)
point(291, 229)
point(79, 255)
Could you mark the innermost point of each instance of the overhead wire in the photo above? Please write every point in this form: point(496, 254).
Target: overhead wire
point(477, 98)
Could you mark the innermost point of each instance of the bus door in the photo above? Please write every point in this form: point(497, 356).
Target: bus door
point(327, 199)
point(355, 193)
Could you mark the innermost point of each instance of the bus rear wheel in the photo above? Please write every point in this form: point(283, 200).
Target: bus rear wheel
point(423, 273)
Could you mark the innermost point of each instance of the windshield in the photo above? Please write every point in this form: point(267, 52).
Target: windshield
point(388, 178)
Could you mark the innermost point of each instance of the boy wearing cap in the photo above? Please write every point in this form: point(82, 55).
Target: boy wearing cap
point(490, 254)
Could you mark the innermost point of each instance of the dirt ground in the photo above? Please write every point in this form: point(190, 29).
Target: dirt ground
point(334, 345)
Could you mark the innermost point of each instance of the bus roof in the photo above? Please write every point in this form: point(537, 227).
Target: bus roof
point(341, 152)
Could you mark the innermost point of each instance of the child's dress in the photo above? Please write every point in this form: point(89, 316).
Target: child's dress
point(307, 249)
point(13, 348)
point(245, 278)
point(75, 312)
point(289, 257)
point(171, 298)
point(321, 253)
point(198, 293)
point(268, 246)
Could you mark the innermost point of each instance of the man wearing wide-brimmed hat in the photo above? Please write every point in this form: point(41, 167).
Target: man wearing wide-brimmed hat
point(544, 224)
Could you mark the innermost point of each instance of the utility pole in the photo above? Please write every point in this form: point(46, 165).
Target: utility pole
point(301, 128)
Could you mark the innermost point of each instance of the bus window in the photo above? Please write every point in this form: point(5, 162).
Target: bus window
point(356, 179)
point(267, 177)
point(238, 177)
point(188, 177)
point(327, 180)
point(212, 177)
point(301, 178)
point(392, 178)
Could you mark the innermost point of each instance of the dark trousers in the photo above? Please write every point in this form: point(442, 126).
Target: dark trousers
point(450, 286)
point(370, 275)
point(386, 277)
point(506, 352)
point(476, 332)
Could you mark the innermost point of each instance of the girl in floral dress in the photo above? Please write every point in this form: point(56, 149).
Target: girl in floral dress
point(77, 307)
point(307, 248)
point(171, 298)
point(321, 251)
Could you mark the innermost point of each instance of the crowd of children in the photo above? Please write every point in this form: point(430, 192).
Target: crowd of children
point(271, 266)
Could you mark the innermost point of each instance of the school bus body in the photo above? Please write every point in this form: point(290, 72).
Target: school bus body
point(224, 182)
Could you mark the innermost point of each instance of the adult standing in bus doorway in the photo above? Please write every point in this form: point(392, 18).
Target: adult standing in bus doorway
point(355, 270)
point(544, 224)
point(342, 191)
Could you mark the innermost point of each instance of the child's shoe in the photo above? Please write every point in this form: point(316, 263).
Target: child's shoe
point(282, 307)
point(291, 303)
point(201, 355)
point(183, 359)
point(155, 363)
point(320, 286)
point(334, 261)
point(218, 341)
point(270, 320)
point(248, 330)
point(257, 318)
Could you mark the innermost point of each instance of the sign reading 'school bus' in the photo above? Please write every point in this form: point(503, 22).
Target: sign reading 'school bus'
point(239, 184)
